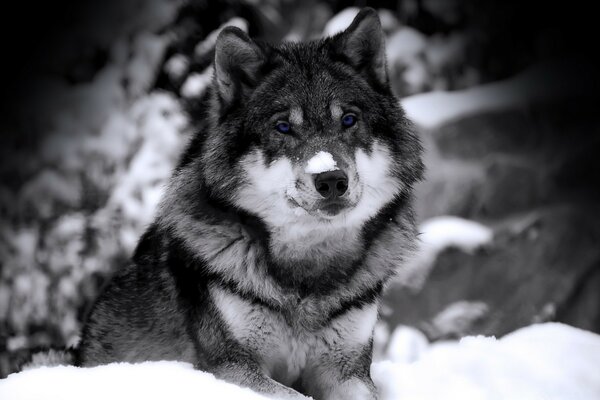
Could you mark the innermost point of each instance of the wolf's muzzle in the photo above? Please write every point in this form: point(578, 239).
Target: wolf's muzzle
point(331, 184)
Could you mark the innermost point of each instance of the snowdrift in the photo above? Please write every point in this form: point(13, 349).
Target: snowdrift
point(547, 361)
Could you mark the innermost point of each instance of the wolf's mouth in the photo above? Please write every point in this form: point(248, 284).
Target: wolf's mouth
point(333, 208)
point(327, 209)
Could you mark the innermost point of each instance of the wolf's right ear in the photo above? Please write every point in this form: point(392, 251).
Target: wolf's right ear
point(237, 62)
point(362, 44)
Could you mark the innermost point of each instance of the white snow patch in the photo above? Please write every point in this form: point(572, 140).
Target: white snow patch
point(148, 50)
point(405, 44)
point(340, 21)
point(456, 319)
point(321, 162)
point(150, 380)
point(406, 345)
point(438, 234)
point(540, 83)
point(547, 361)
point(441, 232)
point(196, 84)
point(177, 66)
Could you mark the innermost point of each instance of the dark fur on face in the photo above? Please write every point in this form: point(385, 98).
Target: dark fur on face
point(309, 76)
point(249, 263)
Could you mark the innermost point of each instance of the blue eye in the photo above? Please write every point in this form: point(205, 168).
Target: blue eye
point(348, 120)
point(283, 127)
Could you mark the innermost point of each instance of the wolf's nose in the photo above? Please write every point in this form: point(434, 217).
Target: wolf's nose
point(331, 184)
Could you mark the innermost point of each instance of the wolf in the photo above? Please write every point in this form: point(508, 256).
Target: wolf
point(285, 218)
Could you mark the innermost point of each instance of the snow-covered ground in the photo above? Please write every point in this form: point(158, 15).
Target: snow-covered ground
point(541, 362)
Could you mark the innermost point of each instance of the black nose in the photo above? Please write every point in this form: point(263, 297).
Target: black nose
point(331, 184)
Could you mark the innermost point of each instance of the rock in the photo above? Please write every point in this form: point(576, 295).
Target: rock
point(540, 129)
point(536, 264)
point(477, 136)
point(449, 188)
point(511, 184)
point(494, 164)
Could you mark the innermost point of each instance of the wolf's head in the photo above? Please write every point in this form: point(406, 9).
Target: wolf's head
point(308, 133)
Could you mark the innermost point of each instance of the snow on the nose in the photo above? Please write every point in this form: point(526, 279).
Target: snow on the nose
point(321, 162)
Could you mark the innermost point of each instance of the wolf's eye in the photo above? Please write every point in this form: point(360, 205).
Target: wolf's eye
point(348, 120)
point(283, 127)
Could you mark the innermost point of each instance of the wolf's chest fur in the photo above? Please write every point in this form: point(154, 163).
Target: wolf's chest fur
point(285, 349)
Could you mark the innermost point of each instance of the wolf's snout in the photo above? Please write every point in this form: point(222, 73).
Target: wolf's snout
point(331, 184)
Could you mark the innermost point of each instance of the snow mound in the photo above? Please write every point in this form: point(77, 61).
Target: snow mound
point(150, 380)
point(547, 361)
point(540, 83)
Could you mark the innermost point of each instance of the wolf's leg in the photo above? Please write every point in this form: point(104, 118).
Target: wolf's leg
point(340, 367)
point(249, 375)
point(341, 375)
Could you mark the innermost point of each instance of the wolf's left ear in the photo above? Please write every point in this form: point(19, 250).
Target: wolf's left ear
point(363, 44)
point(237, 62)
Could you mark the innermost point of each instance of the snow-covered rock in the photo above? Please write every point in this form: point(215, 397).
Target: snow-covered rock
point(437, 234)
point(540, 83)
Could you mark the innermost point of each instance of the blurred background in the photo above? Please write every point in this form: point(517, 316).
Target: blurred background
point(503, 94)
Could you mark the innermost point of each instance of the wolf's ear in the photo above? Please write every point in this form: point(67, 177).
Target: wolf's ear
point(363, 44)
point(237, 62)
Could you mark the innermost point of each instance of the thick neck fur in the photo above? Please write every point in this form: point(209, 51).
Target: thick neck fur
point(238, 246)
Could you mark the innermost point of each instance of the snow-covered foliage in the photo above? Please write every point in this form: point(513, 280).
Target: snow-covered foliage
point(108, 146)
point(541, 362)
point(195, 84)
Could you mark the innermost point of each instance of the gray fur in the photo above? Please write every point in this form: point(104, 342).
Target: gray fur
point(247, 272)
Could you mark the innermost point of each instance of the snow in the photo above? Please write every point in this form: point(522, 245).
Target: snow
point(540, 83)
point(548, 361)
point(340, 21)
point(437, 234)
point(406, 43)
point(320, 162)
point(177, 66)
point(150, 380)
point(406, 345)
point(196, 84)
point(148, 50)
point(446, 231)
point(456, 319)
point(405, 52)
